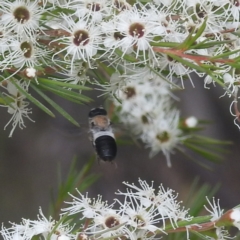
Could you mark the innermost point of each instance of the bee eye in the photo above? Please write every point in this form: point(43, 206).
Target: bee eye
point(92, 124)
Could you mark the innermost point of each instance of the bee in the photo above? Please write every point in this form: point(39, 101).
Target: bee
point(101, 134)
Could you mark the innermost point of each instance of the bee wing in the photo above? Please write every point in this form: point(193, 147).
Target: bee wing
point(90, 136)
point(70, 130)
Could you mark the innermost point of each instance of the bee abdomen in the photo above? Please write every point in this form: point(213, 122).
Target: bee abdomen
point(106, 147)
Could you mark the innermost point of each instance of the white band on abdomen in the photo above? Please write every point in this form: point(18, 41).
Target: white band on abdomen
point(102, 133)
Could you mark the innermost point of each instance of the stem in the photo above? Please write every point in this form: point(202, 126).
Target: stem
point(195, 58)
point(237, 112)
point(197, 228)
point(224, 31)
point(47, 70)
point(56, 32)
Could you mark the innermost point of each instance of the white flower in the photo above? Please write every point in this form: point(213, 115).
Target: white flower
point(232, 84)
point(113, 38)
point(82, 43)
point(163, 206)
point(138, 207)
point(59, 3)
point(207, 9)
point(217, 216)
point(137, 86)
point(18, 108)
point(230, 8)
point(215, 211)
point(4, 40)
point(110, 223)
point(170, 208)
point(45, 226)
point(164, 134)
point(208, 80)
point(143, 218)
point(17, 231)
point(222, 234)
point(116, 83)
point(169, 3)
point(132, 31)
point(164, 2)
point(96, 10)
point(121, 5)
point(176, 69)
point(219, 73)
point(42, 227)
point(145, 193)
point(22, 17)
point(76, 75)
point(85, 205)
point(23, 52)
point(143, 234)
point(63, 237)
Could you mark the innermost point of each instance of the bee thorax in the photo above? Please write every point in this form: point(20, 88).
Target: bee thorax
point(99, 122)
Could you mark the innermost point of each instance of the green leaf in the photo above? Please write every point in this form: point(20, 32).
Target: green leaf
point(97, 74)
point(56, 225)
point(6, 100)
point(203, 152)
point(165, 44)
point(80, 179)
point(106, 69)
point(66, 93)
point(195, 220)
point(186, 62)
point(205, 44)
point(202, 236)
point(224, 55)
point(196, 200)
point(193, 159)
point(211, 67)
point(192, 37)
point(208, 140)
point(32, 99)
point(211, 74)
point(63, 95)
point(56, 106)
point(63, 84)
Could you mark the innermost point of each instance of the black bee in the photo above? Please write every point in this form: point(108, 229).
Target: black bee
point(102, 136)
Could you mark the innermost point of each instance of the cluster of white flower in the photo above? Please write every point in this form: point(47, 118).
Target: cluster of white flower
point(141, 210)
point(146, 46)
point(144, 214)
point(42, 228)
point(145, 106)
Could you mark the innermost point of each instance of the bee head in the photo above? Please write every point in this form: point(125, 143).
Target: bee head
point(96, 112)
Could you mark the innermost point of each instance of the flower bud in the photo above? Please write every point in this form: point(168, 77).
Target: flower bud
point(231, 217)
